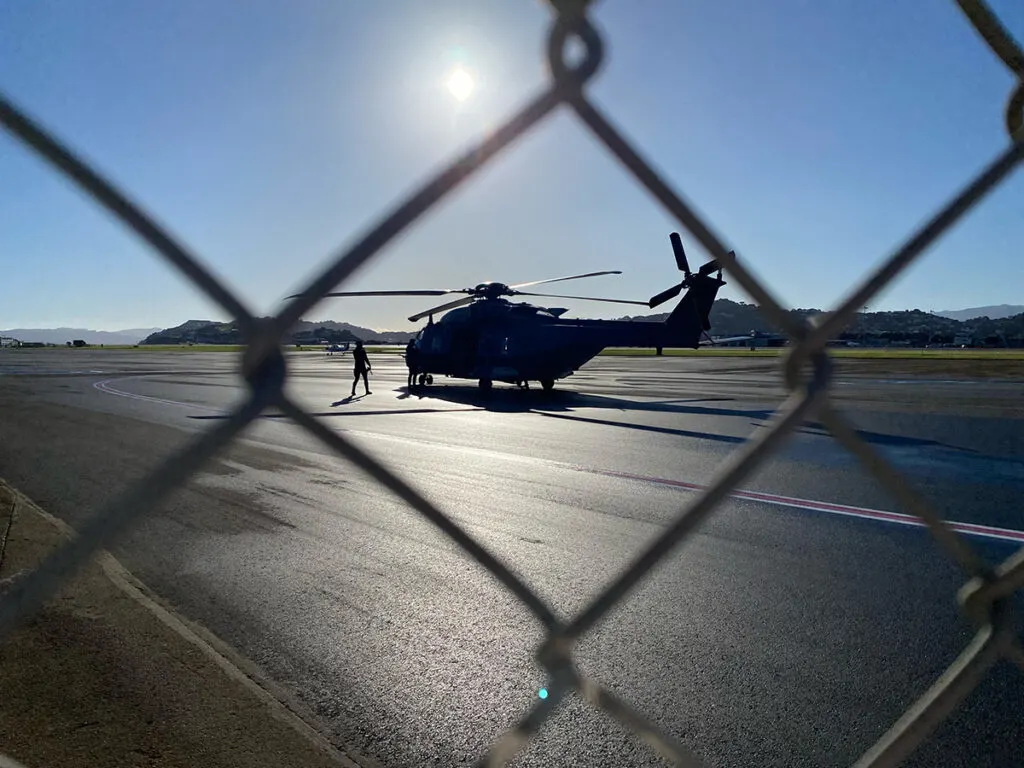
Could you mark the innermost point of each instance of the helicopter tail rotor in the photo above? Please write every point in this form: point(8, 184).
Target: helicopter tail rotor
point(664, 296)
point(684, 267)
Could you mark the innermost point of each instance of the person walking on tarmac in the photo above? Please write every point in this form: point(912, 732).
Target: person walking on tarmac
point(411, 360)
point(362, 367)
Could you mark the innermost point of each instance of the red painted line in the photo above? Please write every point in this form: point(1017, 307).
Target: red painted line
point(975, 529)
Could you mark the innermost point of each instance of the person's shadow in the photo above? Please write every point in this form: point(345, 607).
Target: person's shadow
point(347, 400)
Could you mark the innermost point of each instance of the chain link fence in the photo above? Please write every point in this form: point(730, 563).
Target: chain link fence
point(985, 597)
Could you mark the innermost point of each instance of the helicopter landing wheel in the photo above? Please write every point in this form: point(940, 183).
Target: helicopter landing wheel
point(548, 384)
point(485, 385)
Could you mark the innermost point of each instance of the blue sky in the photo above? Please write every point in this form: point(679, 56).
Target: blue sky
point(266, 135)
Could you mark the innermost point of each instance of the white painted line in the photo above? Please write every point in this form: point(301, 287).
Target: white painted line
point(104, 386)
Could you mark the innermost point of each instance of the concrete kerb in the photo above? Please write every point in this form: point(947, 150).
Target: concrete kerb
point(274, 701)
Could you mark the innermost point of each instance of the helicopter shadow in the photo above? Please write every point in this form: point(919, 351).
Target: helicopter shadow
point(883, 439)
point(514, 400)
point(561, 404)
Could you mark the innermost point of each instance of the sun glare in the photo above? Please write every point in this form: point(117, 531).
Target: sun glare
point(460, 84)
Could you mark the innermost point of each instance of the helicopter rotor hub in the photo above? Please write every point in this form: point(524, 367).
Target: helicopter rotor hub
point(491, 290)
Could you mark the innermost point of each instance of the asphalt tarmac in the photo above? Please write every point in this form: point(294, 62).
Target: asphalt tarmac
point(793, 628)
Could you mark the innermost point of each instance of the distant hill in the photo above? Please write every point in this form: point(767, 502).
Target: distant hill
point(731, 318)
point(63, 335)
point(304, 331)
point(995, 312)
point(364, 334)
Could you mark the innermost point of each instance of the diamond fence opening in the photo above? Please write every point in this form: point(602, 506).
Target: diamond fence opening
point(984, 598)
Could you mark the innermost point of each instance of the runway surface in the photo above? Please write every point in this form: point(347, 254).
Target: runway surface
point(793, 628)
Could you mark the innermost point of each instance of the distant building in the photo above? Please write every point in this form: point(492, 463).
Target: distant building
point(8, 341)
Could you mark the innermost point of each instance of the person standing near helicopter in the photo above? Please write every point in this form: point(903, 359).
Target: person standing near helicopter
point(362, 367)
point(412, 361)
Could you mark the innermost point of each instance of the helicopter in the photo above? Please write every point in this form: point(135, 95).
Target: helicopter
point(486, 337)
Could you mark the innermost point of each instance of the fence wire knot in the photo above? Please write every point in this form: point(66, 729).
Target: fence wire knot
point(264, 367)
point(984, 606)
point(564, 30)
point(1008, 50)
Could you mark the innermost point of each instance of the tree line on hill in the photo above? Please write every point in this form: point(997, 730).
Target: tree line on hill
point(912, 326)
point(728, 318)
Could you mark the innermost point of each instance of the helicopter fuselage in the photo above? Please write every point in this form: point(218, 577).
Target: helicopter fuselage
point(495, 340)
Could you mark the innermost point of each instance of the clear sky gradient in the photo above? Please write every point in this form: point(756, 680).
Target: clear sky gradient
point(267, 135)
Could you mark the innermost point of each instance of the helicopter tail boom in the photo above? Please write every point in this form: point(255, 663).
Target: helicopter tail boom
point(690, 319)
point(683, 328)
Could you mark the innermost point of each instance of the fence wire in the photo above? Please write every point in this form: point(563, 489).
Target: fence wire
point(984, 598)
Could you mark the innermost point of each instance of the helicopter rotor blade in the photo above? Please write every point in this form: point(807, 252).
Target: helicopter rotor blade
point(441, 308)
point(435, 292)
point(707, 269)
point(677, 249)
point(570, 277)
point(664, 296)
point(584, 298)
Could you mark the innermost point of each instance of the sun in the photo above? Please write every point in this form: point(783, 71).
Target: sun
point(460, 84)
